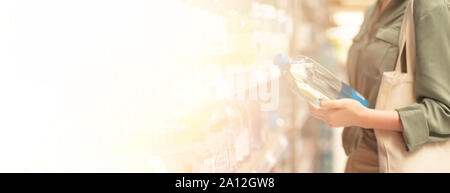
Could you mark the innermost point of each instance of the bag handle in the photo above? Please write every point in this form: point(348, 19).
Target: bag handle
point(407, 41)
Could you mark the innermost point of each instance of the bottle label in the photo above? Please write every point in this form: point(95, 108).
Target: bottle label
point(348, 92)
point(360, 98)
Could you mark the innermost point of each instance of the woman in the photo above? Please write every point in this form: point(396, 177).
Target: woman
point(375, 51)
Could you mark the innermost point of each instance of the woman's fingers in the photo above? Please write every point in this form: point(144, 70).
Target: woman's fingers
point(336, 113)
point(316, 111)
point(332, 104)
point(312, 106)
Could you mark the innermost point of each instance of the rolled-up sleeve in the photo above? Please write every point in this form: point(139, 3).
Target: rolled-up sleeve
point(428, 120)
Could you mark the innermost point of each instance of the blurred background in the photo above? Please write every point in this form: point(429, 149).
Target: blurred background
point(166, 86)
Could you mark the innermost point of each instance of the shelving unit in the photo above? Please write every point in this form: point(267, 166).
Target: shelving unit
point(262, 161)
point(253, 32)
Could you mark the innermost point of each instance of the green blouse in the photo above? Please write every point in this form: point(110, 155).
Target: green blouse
point(428, 120)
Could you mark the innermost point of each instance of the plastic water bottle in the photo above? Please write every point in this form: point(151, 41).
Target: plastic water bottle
point(314, 81)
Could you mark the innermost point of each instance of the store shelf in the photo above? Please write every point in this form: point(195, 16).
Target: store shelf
point(248, 36)
point(262, 161)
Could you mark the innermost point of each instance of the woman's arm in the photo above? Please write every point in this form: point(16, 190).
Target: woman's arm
point(348, 112)
point(428, 120)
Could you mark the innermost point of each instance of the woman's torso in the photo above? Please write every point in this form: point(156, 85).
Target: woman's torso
point(372, 53)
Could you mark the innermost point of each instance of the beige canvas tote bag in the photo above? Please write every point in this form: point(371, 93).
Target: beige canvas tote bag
point(396, 91)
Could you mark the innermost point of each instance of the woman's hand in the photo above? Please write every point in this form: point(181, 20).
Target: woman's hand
point(340, 112)
point(349, 112)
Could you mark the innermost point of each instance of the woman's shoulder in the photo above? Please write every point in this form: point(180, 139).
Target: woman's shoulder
point(425, 7)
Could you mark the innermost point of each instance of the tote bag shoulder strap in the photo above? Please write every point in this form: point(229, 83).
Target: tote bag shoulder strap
point(407, 41)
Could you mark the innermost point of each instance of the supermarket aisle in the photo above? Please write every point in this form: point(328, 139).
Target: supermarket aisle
point(166, 86)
